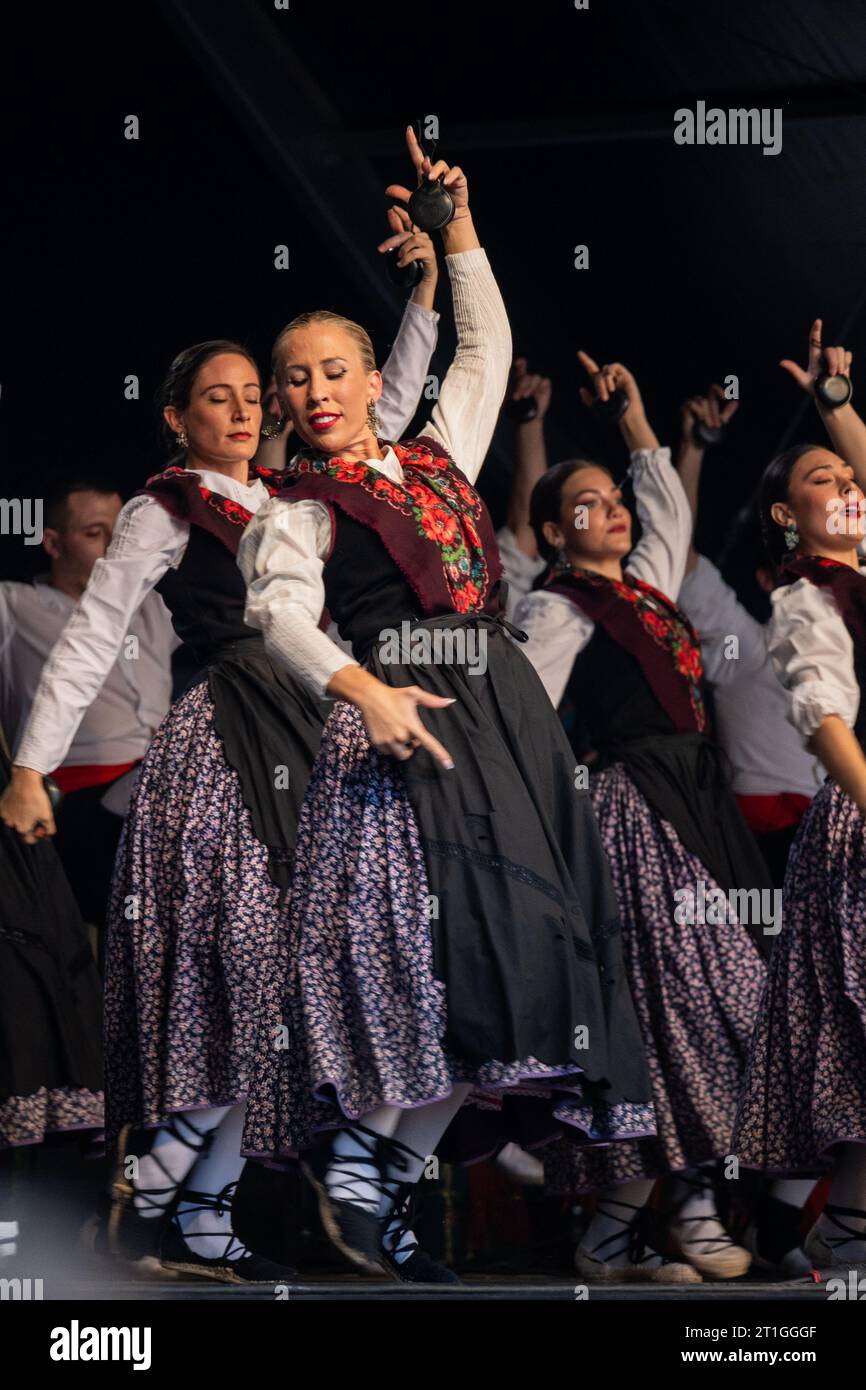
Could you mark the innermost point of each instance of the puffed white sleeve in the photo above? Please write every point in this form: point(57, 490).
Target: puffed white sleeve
point(813, 655)
point(557, 633)
point(281, 557)
point(466, 412)
point(146, 542)
point(660, 556)
point(405, 372)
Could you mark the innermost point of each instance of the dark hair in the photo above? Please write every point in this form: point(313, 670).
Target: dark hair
point(545, 503)
point(60, 490)
point(176, 389)
point(773, 487)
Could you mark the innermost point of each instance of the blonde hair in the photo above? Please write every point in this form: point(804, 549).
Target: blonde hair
point(359, 335)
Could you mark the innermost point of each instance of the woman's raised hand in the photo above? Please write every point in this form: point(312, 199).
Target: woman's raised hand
point(834, 360)
point(711, 409)
point(608, 379)
point(414, 245)
point(453, 178)
point(524, 383)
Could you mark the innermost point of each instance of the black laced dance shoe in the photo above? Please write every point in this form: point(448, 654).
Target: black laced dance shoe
point(351, 1226)
point(401, 1255)
point(130, 1235)
point(235, 1264)
point(826, 1249)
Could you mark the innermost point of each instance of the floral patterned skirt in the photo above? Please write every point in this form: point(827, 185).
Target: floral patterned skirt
point(194, 928)
point(805, 1085)
point(696, 990)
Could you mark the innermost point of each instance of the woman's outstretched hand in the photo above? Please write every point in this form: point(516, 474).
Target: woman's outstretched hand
point(414, 245)
point(391, 713)
point(634, 426)
point(711, 409)
point(25, 807)
point(393, 723)
point(835, 360)
point(523, 383)
point(453, 179)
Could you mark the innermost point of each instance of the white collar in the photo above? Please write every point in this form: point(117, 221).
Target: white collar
point(230, 487)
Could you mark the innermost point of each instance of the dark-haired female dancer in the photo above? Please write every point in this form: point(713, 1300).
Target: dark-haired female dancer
point(622, 665)
point(804, 1095)
point(391, 1012)
point(197, 904)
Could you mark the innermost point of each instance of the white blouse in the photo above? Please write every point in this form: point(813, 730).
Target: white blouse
point(558, 631)
point(146, 542)
point(813, 654)
point(284, 546)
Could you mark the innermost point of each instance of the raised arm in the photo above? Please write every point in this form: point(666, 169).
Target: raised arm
point(405, 371)
point(465, 414)
point(712, 410)
point(146, 542)
point(530, 454)
point(659, 558)
point(844, 426)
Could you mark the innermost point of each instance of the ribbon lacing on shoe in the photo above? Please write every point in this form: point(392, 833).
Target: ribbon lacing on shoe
point(219, 1202)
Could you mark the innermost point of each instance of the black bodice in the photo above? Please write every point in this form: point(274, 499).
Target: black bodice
point(608, 699)
point(365, 589)
point(206, 595)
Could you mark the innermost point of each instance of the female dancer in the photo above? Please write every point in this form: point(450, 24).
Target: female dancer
point(197, 906)
point(50, 1007)
point(622, 665)
point(452, 923)
point(804, 1094)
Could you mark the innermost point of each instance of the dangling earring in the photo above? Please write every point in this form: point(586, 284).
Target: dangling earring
point(181, 439)
point(372, 418)
point(562, 561)
point(273, 430)
point(792, 536)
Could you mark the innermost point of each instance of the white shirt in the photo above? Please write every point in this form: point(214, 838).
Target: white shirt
point(147, 541)
point(283, 549)
point(752, 707)
point(557, 629)
point(813, 655)
point(136, 692)
point(519, 570)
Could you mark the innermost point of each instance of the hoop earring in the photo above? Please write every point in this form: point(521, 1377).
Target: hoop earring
point(372, 418)
point(792, 536)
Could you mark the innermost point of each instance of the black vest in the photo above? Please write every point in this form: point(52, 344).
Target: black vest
point(608, 699)
point(365, 590)
point(206, 595)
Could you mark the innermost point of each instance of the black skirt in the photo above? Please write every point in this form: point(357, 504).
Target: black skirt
point(527, 934)
point(50, 995)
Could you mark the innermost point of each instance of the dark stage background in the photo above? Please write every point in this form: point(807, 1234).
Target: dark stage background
point(261, 126)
